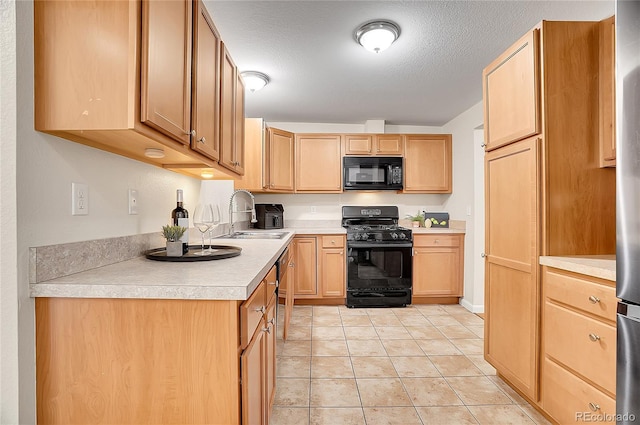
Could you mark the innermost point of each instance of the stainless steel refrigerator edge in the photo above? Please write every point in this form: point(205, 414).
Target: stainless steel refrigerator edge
point(628, 210)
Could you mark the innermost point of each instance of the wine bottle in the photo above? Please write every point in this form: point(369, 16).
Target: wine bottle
point(180, 217)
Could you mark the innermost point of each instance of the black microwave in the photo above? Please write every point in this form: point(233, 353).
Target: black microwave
point(372, 173)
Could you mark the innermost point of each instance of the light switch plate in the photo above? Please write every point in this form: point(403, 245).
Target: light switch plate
point(133, 201)
point(79, 199)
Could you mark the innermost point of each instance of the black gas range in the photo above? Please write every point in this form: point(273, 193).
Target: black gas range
point(379, 263)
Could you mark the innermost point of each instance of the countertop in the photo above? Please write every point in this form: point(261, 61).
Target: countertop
point(600, 266)
point(228, 279)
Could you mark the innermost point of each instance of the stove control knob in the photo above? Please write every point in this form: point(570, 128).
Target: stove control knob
point(403, 236)
point(356, 236)
point(365, 236)
point(394, 235)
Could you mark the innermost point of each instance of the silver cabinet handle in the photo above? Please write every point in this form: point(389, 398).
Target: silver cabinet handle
point(261, 309)
point(593, 299)
point(191, 133)
point(272, 321)
point(267, 330)
point(594, 337)
point(202, 140)
point(483, 255)
point(483, 145)
point(333, 242)
point(594, 406)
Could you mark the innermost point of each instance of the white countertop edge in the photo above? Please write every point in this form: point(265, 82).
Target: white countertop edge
point(163, 292)
point(600, 266)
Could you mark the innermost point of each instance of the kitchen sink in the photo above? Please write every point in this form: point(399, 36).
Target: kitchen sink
point(257, 235)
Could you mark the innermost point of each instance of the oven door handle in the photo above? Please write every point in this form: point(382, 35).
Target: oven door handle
point(378, 245)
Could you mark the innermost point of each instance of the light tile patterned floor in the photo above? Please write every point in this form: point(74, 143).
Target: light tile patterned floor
point(421, 365)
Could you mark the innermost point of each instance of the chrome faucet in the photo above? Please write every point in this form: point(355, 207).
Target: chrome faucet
point(252, 210)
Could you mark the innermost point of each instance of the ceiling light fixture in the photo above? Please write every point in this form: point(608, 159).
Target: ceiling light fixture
point(254, 80)
point(377, 36)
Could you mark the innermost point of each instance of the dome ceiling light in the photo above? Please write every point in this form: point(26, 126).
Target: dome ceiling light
point(254, 80)
point(378, 35)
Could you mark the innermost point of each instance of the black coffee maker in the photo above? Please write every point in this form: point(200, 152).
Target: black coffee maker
point(270, 216)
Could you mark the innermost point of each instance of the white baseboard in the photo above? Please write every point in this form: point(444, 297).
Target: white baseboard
point(471, 307)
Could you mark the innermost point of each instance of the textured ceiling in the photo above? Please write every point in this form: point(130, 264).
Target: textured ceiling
point(430, 75)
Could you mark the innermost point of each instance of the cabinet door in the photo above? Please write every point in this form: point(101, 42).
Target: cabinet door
point(238, 126)
point(318, 163)
point(511, 86)
point(437, 270)
point(511, 272)
point(270, 358)
point(252, 362)
point(166, 67)
point(227, 109)
point(358, 144)
point(280, 160)
point(305, 255)
point(607, 93)
point(427, 163)
point(288, 282)
point(206, 85)
point(389, 144)
point(332, 273)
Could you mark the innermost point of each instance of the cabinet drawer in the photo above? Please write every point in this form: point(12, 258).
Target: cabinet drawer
point(585, 345)
point(251, 313)
point(333, 241)
point(569, 399)
point(590, 296)
point(270, 288)
point(436, 240)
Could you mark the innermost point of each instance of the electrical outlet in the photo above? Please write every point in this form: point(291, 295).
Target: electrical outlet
point(79, 199)
point(133, 201)
point(313, 210)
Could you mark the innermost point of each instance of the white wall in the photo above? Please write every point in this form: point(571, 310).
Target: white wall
point(462, 202)
point(46, 167)
point(9, 378)
point(478, 234)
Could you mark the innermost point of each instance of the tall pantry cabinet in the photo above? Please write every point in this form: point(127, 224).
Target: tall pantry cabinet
point(544, 191)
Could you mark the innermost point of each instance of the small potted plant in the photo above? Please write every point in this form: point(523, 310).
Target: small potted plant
point(417, 220)
point(173, 234)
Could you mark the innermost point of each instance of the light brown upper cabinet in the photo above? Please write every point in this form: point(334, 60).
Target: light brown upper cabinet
point(516, 71)
point(607, 79)
point(231, 114)
point(374, 144)
point(269, 159)
point(206, 85)
point(280, 160)
point(427, 163)
point(318, 163)
point(139, 93)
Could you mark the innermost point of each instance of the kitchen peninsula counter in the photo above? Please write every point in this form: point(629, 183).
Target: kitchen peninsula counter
point(227, 279)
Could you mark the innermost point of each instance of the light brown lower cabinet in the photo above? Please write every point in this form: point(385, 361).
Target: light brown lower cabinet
point(150, 361)
point(319, 269)
point(579, 347)
point(438, 267)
